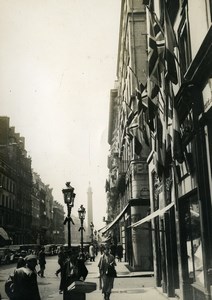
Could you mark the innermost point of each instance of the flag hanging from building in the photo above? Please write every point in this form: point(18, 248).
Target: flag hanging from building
point(159, 148)
point(171, 43)
point(156, 48)
point(139, 90)
point(177, 140)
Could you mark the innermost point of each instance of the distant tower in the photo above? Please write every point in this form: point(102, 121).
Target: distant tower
point(89, 207)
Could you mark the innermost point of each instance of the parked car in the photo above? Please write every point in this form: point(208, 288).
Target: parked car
point(30, 248)
point(50, 249)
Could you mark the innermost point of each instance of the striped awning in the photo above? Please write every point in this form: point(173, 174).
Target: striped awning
point(158, 212)
point(109, 226)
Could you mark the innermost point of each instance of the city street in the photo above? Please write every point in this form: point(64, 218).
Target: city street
point(127, 285)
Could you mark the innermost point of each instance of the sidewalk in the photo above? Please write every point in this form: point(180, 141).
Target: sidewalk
point(121, 269)
point(142, 293)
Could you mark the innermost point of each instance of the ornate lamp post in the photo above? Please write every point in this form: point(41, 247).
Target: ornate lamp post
point(92, 227)
point(81, 212)
point(69, 196)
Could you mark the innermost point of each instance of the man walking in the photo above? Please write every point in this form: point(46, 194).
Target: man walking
point(25, 281)
point(42, 262)
point(106, 263)
point(61, 260)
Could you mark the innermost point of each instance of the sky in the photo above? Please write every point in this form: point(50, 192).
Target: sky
point(58, 63)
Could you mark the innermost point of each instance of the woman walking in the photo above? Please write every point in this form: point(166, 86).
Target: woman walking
point(107, 272)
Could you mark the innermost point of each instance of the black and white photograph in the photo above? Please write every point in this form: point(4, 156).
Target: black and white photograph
point(105, 149)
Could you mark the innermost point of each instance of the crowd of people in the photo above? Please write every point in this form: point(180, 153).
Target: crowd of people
point(22, 284)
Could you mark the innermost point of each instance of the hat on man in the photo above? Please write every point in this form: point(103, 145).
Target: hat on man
point(31, 257)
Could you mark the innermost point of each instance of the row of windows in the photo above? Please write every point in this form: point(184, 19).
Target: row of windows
point(7, 183)
point(7, 202)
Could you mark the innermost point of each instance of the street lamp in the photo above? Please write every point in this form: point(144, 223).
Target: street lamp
point(81, 212)
point(95, 234)
point(92, 227)
point(69, 196)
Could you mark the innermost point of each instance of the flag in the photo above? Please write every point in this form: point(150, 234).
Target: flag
point(171, 43)
point(160, 147)
point(138, 146)
point(151, 111)
point(156, 47)
point(169, 100)
point(139, 92)
point(129, 113)
point(134, 132)
point(177, 141)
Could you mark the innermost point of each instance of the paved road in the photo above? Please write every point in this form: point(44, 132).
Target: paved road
point(127, 285)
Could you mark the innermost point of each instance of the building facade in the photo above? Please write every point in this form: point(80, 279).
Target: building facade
point(26, 203)
point(173, 111)
point(178, 115)
point(127, 186)
point(58, 226)
point(16, 184)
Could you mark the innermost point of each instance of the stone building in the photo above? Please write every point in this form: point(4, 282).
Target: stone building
point(26, 203)
point(16, 184)
point(178, 115)
point(127, 185)
point(58, 226)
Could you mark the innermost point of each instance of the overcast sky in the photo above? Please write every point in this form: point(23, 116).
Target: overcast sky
point(57, 65)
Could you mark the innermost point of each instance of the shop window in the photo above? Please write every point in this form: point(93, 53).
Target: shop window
point(193, 241)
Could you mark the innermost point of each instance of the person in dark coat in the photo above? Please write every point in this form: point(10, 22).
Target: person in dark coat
point(119, 251)
point(113, 249)
point(107, 281)
point(42, 262)
point(25, 281)
point(61, 260)
point(81, 270)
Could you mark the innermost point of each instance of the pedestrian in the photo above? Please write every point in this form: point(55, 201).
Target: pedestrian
point(25, 281)
point(119, 251)
point(61, 260)
point(106, 262)
point(113, 249)
point(81, 270)
point(101, 248)
point(42, 262)
point(68, 272)
point(21, 260)
point(92, 252)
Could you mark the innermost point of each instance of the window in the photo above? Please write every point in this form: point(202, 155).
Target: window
point(184, 44)
point(193, 240)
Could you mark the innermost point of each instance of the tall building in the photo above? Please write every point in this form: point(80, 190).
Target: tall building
point(127, 185)
point(174, 113)
point(58, 227)
point(16, 185)
point(179, 118)
point(26, 203)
